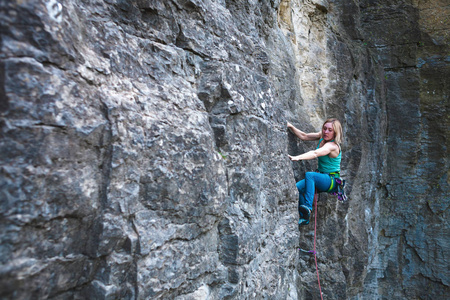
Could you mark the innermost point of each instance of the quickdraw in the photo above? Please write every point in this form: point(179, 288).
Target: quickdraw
point(340, 193)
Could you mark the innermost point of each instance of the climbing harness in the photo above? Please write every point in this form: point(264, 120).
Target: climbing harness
point(316, 195)
point(336, 180)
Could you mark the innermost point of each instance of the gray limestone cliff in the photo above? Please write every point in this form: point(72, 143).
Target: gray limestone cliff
point(143, 148)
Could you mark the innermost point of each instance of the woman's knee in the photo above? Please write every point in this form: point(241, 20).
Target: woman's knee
point(309, 175)
point(300, 185)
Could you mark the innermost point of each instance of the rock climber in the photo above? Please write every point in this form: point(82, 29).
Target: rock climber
point(328, 152)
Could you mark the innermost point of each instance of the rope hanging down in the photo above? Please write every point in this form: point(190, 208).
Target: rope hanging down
point(316, 195)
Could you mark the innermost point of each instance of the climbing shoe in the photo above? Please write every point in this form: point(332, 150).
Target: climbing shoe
point(302, 222)
point(306, 213)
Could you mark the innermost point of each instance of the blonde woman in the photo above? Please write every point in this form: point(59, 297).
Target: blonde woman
point(328, 152)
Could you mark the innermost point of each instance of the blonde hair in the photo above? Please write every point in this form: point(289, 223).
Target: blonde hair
point(337, 127)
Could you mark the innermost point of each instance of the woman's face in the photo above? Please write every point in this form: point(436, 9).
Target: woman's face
point(328, 131)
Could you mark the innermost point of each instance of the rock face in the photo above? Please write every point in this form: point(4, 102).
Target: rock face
point(411, 40)
point(144, 148)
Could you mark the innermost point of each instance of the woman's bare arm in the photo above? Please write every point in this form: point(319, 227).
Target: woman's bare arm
point(302, 135)
point(322, 151)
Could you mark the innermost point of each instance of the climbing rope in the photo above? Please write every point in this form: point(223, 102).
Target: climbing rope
point(316, 195)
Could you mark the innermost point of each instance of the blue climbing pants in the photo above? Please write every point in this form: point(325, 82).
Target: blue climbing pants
point(307, 186)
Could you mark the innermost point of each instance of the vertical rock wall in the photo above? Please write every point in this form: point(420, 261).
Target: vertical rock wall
point(339, 77)
point(144, 150)
point(411, 40)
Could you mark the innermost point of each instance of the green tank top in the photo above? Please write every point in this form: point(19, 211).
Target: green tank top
point(329, 164)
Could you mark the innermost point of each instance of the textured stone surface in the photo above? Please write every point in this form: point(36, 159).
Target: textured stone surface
point(411, 39)
point(144, 149)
